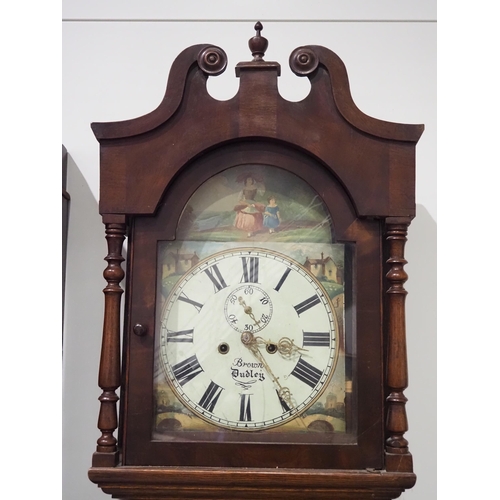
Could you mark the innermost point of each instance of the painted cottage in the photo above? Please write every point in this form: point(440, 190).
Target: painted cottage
point(179, 263)
point(324, 267)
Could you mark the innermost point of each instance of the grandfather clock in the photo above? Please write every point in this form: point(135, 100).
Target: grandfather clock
point(264, 351)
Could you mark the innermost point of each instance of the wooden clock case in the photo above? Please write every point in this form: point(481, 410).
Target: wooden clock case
point(364, 171)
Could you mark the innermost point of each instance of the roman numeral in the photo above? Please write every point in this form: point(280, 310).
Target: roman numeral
point(181, 336)
point(245, 413)
point(250, 269)
point(306, 373)
point(211, 396)
point(282, 279)
point(216, 278)
point(284, 405)
point(307, 304)
point(185, 298)
point(187, 369)
point(317, 339)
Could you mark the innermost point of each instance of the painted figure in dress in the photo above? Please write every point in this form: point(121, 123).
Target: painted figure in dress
point(272, 216)
point(249, 213)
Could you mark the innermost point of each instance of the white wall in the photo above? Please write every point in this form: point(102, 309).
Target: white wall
point(116, 58)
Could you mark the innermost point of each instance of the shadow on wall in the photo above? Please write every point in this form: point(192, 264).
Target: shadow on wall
point(421, 335)
point(83, 316)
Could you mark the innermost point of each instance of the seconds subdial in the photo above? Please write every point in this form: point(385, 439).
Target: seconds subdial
point(248, 309)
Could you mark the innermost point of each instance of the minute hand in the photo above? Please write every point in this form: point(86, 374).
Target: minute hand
point(252, 344)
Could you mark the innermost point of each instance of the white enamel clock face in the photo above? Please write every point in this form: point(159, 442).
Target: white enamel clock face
point(248, 339)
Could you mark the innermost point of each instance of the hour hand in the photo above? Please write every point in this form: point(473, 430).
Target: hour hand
point(287, 348)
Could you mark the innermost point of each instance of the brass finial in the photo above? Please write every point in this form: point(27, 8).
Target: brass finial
point(258, 44)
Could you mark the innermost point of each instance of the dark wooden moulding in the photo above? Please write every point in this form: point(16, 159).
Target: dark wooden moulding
point(364, 170)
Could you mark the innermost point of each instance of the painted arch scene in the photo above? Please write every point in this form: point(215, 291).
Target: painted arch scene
point(255, 203)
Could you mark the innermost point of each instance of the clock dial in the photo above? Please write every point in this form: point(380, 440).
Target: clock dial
point(248, 339)
point(244, 317)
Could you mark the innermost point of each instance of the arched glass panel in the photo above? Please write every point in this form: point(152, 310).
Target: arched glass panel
point(250, 315)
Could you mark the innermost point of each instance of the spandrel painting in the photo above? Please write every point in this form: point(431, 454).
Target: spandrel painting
point(237, 346)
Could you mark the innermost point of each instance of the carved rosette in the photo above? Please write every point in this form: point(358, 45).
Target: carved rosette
point(397, 371)
point(303, 61)
point(109, 368)
point(212, 61)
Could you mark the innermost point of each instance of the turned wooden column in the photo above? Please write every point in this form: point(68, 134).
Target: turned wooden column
point(397, 454)
point(106, 453)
